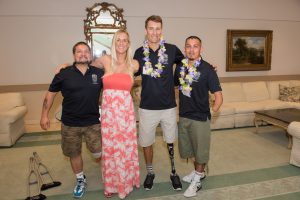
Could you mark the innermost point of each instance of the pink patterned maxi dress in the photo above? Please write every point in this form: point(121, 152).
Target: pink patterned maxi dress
point(120, 164)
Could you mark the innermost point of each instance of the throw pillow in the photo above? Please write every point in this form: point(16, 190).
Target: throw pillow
point(291, 94)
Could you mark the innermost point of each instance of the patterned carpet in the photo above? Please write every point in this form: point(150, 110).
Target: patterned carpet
point(243, 165)
point(279, 183)
point(283, 182)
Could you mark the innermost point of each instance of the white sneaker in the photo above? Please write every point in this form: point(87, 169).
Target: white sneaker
point(188, 178)
point(192, 190)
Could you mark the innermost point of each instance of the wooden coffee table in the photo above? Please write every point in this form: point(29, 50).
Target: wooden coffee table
point(278, 117)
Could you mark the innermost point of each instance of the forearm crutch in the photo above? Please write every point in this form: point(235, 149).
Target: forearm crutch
point(33, 180)
point(43, 173)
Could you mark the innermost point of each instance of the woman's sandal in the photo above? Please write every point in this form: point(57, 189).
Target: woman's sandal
point(107, 195)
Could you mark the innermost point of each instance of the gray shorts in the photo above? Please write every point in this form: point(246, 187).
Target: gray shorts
point(72, 139)
point(194, 139)
point(149, 120)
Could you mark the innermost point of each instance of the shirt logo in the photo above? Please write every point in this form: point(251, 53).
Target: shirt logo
point(94, 79)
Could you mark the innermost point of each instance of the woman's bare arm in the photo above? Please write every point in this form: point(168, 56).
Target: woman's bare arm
point(135, 65)
point(99, 62)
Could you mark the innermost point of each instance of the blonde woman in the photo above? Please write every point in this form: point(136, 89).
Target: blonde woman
point(120, 165)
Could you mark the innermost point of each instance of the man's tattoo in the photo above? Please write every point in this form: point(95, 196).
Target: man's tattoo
point(45, 104)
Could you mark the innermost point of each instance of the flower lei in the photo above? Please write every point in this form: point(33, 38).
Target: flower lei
point(188, 74)
point(162, 59)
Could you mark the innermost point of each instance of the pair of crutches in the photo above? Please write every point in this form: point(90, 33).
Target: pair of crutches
point(39, 178)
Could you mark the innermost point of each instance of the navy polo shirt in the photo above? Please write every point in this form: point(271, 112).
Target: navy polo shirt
point(80, 106)
point(196, 107)
point(158, 93)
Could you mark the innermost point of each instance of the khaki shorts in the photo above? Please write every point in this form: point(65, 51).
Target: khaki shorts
point(194, 139)
point(72, 139)
point(149, 120)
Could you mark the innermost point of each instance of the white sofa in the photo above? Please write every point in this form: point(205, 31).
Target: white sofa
point(241, 99)
point(12, 112)
point(294, 130)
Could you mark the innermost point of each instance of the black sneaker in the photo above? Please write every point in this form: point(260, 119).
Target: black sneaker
point(176, 182)
point(148, 183)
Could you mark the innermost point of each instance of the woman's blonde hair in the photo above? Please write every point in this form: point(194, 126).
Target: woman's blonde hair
point(129, 56)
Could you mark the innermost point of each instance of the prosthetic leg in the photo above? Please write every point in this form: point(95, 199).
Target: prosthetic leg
point(33, 181)
point(44, 174)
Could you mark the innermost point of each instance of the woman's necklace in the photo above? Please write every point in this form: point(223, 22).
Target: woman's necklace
point(162, 59)
point(188, 74)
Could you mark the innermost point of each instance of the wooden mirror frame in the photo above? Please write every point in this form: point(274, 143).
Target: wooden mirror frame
point(94, 26)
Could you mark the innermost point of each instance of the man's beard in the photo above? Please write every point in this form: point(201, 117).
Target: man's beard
point(83, 62)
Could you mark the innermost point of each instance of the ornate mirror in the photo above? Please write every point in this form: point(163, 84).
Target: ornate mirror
point(103, 20)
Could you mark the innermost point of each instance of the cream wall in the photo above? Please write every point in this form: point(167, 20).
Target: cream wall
point(34, 101)
point(37, 35)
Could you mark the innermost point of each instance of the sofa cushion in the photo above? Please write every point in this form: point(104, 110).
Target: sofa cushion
point(293, 105)
point(244, 119)
point(220, 122)
point(273, 88)
point(232, 92)
point(246, 107)
point(295, 153)
point(274, 104)
point(291, 94)
point(294, 83)
point(12, 115)
point(224, 110)
point(255, 91)
point(10, 100)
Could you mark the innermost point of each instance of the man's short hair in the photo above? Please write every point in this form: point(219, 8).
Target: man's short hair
point(193, 37)
point(154, 18)
point(80, 43)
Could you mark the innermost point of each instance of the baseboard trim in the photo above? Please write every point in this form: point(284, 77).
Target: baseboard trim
point(23, 88)
point(259, 78)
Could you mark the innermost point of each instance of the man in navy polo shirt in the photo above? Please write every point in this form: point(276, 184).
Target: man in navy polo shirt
point(80, 85)
point(195, 78)
point(158, 106)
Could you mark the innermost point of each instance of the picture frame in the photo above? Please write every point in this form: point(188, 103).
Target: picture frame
point(249, 50)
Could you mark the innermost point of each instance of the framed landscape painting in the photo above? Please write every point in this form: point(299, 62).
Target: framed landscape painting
point(249, 50)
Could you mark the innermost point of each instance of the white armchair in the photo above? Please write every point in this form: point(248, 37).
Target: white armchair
point(12, 112)
point(294, 130)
